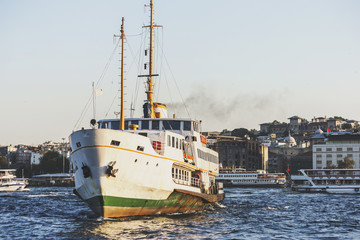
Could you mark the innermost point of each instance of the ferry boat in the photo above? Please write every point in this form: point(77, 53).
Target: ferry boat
point(327, 181)
point(144, 166)
point(9, 183)
point(239, 177)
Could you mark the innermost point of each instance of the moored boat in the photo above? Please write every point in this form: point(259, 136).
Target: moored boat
point(9, 183)
point(144, 166)
point(238, 177)
point(343, 181)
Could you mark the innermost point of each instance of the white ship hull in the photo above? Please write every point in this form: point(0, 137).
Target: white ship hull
point(336, 181)
point(254, 185)
point(142, 185)
point(12, 187)
point(344, 189)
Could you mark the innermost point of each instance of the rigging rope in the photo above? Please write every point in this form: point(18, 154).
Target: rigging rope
point(97, 83)
point(125, 77)
point(177, 87)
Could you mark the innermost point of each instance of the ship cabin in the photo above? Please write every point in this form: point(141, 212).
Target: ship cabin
point(172, 137)
point(177, 125)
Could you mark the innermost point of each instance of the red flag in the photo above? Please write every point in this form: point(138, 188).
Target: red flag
point(329, 130)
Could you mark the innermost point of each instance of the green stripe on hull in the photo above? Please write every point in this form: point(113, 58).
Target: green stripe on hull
point(109, 206)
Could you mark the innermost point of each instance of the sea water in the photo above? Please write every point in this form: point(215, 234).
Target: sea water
point(56, 213)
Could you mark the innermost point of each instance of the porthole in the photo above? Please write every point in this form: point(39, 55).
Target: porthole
point(115, 143)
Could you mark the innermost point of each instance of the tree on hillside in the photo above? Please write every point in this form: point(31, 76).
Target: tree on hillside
point(347, 163)
point(3, 162)
point(239, 132)
point(52, 162)
point(275, 122)
point(340, 118)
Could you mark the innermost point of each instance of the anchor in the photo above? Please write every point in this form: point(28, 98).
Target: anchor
point(110, 171)
point(86, 171)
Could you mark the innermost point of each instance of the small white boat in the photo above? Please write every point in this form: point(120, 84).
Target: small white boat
point(345, 181)
point(9, 183)
point(238, 177)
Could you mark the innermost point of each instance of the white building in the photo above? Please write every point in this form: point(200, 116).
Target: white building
point(336, 148)
point(35, 158)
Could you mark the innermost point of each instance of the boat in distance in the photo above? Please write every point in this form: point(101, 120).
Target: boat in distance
point(238, 177)
point(9, 183)
point(145, 166)
point(342, 181)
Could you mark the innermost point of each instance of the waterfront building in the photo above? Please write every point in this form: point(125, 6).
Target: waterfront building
point(35, 158)
point(282, 154)
point(279, 129)
point(334, 124)
point(335, 149)
point(241, 153)
point(297, 125)
point(300, 126)
point(22, 157)
point(300, 161)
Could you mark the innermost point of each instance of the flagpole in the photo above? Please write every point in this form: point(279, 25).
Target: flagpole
point(94, 100)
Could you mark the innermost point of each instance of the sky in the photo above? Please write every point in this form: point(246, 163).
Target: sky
point(233, 63)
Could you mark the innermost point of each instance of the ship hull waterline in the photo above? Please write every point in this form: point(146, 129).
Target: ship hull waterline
point(117, 207)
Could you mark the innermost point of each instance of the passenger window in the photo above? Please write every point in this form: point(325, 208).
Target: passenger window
point(115, 125)
point(173, 141)
point(145, 124)
point(155, 125)
point(187, 126)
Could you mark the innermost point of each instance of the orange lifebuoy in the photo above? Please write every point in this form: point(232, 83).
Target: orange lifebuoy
point(203, 139)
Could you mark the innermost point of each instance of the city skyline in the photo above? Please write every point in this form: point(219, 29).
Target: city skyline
point(236, 63)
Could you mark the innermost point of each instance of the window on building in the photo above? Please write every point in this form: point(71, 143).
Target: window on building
point(328, 149)
point(318, 149)
point(350, 149)
point(339, 149)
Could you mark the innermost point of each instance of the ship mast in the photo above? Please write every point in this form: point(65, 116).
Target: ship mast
point(122, 118)
point(149, 105)
point(150, 79)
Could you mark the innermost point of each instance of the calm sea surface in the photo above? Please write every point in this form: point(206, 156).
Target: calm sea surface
point(55, 213)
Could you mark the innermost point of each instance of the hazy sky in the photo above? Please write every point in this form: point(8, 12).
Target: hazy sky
point(236, 63)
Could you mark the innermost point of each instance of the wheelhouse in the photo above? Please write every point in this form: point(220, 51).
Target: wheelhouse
point(170, 124)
